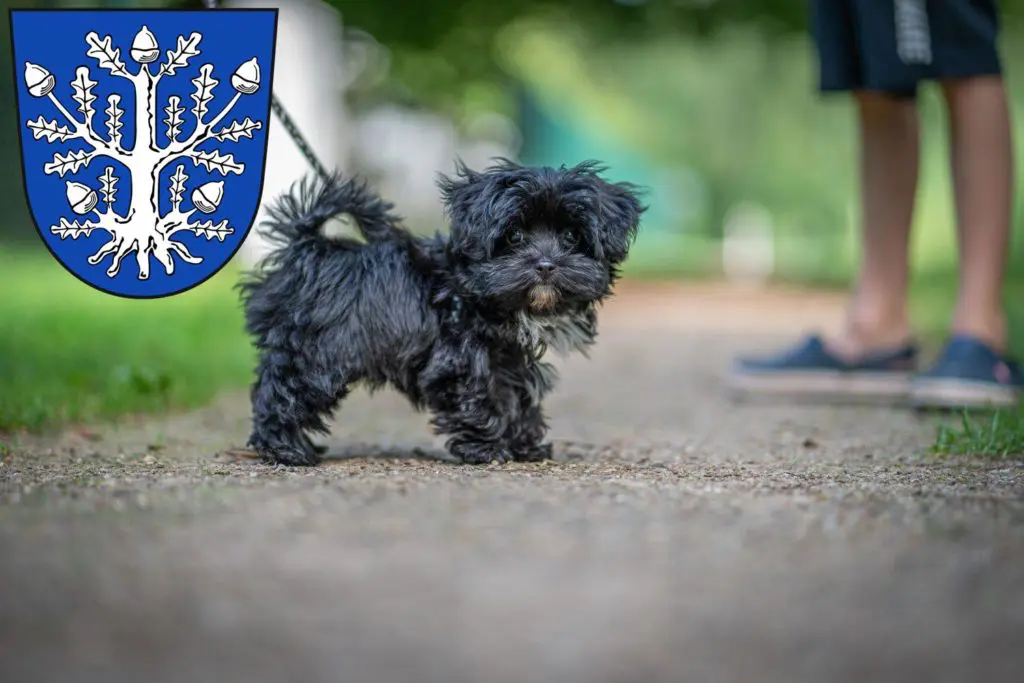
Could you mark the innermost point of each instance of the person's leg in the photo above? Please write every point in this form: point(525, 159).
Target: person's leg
point(982, 167)
point(889, 151)
point(974, 368)
point(871, 357)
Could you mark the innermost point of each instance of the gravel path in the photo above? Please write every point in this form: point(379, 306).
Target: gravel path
point(677, 537)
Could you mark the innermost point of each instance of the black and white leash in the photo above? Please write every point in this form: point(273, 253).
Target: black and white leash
point(287, 121)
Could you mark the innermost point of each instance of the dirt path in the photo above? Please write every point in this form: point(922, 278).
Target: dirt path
point(678, 537)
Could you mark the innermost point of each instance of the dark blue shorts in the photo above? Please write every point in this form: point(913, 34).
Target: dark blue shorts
point(890, 46)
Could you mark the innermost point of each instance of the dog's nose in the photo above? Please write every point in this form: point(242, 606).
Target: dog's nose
point(545, 268)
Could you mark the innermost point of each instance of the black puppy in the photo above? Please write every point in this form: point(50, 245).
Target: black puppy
point(458, 324)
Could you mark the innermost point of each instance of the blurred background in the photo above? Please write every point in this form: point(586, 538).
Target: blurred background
point(711, 104)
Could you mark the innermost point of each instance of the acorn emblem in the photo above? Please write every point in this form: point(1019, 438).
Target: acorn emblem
point(246, 78)
point(207, 197)
point(40, 82)
point(82, 198)
point(144, 48)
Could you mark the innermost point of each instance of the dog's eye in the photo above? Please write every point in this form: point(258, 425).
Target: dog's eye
point(515, 236)
point(571, 238)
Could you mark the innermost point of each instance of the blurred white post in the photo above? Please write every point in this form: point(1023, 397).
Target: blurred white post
point(748, 245)
point(309, 83)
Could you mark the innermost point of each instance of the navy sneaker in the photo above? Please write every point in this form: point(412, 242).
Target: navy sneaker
point(968, 374)
point(809, 369)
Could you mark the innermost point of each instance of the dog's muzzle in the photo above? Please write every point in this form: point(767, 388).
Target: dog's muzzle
point(543, 298)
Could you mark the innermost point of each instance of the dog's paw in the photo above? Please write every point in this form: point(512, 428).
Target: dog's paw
point(481, 454)
point(536, 453)
point(318, 449)
point(289, 455)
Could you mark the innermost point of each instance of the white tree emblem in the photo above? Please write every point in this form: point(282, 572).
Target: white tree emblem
point(158, 143)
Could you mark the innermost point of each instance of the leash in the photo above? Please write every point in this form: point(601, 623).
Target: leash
point(286, 120)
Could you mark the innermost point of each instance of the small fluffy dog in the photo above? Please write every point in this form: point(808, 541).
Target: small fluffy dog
point(457, 323)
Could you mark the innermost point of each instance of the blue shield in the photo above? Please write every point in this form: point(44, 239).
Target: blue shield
point(143, 139)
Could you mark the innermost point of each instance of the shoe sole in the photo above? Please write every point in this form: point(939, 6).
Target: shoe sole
point(859, 386)
point(954, 393)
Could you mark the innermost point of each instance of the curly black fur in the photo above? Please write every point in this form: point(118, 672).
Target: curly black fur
point(456, 323)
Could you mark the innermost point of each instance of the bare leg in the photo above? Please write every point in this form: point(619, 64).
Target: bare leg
point(982, 163)
point(889, 149)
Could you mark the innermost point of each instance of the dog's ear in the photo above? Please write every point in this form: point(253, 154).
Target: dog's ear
point(460, 194)
point(618, 217)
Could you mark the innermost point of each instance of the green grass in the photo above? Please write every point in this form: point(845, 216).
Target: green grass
point(997, 435)
point(70, 354)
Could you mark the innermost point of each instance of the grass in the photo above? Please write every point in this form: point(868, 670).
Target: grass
point(72, 354)
point(998, 435)
point(991, 434)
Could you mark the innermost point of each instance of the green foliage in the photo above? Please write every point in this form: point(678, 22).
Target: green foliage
point(452, 40)
point(726, 122)
point(441, 48)
point(424, 24)
point(778, 146)
point(69, 353)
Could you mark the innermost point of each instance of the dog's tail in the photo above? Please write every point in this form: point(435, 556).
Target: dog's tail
point(298, 216)
point(294, 229)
